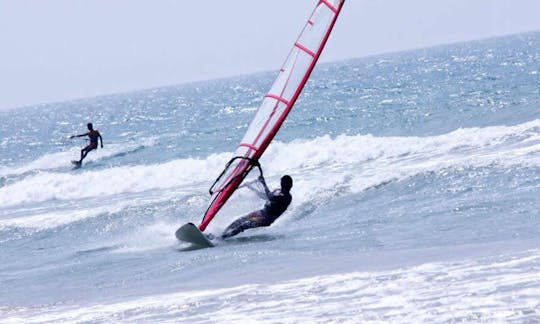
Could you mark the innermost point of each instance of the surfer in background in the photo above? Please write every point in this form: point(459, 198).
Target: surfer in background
point(93, 135)
point(277, 202)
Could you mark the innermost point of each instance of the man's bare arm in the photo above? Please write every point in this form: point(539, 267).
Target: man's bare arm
point(80, 135)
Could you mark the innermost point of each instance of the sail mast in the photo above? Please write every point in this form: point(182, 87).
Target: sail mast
point(277, 103)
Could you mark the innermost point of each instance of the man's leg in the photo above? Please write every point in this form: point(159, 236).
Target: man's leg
point(84, 151)
point(241, 224)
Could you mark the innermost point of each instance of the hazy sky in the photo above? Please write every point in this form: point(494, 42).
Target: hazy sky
point(55, 50)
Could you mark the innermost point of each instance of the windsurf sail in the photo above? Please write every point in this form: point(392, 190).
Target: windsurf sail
point(276, 105)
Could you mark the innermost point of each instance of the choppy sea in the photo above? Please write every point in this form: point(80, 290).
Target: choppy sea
point(416, 198)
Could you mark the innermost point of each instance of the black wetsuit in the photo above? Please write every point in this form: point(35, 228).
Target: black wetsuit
point(276, 205)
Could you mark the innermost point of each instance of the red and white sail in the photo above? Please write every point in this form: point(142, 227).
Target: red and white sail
point(277, 103)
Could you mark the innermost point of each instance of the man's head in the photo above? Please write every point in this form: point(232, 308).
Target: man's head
point(286, 183)
point(90, 126)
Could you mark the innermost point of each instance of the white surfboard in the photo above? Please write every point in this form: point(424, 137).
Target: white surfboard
point(191, 234)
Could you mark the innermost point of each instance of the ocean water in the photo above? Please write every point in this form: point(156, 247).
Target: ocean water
point(416, 198)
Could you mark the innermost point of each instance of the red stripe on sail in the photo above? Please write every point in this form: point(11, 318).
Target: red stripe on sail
point(305, 49)
point(331, 7)
point(250, 146)
point(278, 98)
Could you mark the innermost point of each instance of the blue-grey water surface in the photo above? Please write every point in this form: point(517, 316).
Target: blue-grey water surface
point(417, 177)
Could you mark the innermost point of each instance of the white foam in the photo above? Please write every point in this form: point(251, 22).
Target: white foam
point(360, 162)
point(38, 220)
point(489, 289)
point(319, 166)
point(46, 186)
point(155, 236)
point(61, 159)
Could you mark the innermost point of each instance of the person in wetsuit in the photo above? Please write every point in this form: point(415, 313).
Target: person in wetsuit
point(277, 202)
point(93, 135)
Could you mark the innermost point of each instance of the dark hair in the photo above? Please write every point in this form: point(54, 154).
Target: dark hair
point(286, 182)
point(89, 125)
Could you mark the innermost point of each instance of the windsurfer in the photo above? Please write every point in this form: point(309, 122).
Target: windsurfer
point(277, 202)
point(93, 135)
